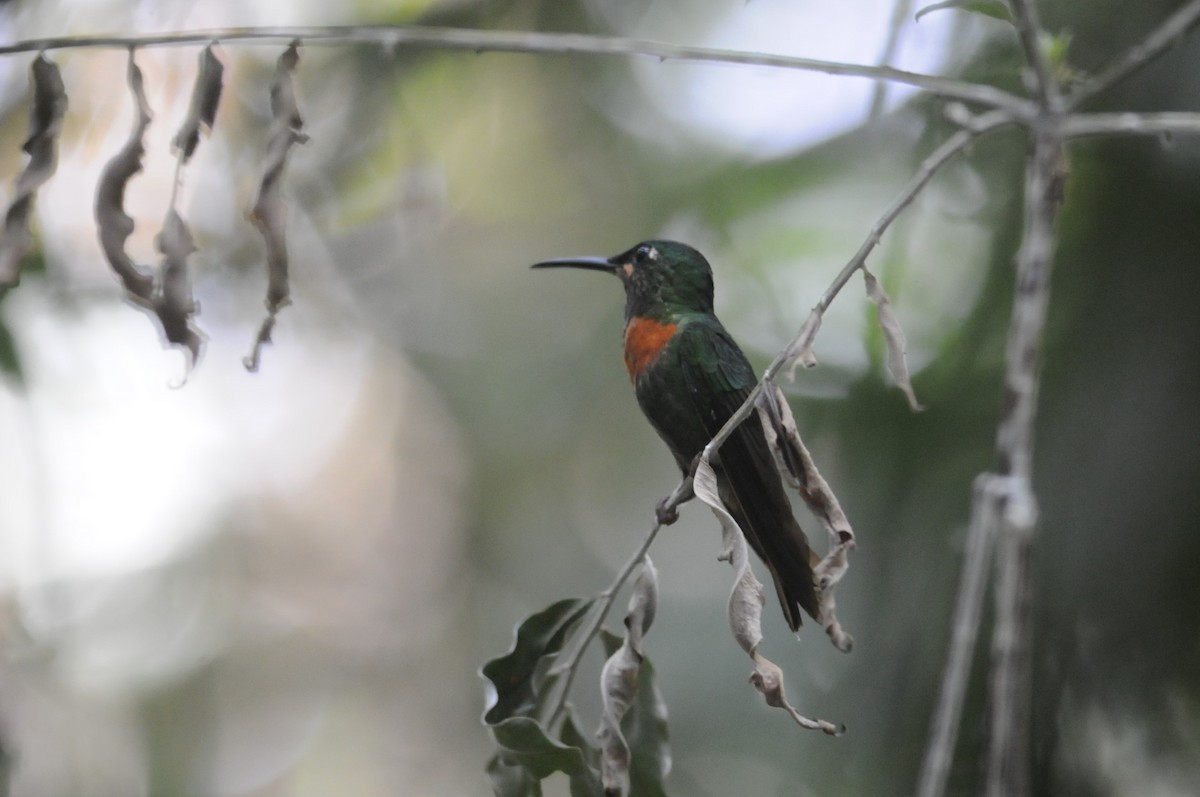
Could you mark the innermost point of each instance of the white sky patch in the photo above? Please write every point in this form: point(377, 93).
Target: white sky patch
point(119, 471)
point(768, 111)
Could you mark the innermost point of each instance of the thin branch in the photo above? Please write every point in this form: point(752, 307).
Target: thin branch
point(803, 339)
point(1163, 38)
point(901, 11)
point(1029, 31)
point(968, 608)
point(604, 604)
point(1077, 125)
point(479, 41)
point(974, 128)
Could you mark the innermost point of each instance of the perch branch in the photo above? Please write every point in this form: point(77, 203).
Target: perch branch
point(588, 632)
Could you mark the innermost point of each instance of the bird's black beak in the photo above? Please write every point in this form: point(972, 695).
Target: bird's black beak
point(590, 263)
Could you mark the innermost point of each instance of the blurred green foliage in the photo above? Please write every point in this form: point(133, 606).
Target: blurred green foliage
point(431, 181)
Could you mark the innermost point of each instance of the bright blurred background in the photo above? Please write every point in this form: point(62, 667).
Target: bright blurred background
point(284, 583)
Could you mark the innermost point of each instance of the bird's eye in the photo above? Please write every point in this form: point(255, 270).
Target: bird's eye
point(645, 252)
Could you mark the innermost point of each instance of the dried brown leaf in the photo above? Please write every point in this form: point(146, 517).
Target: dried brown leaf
point(768, 680)
point(747, 597)
point(896, 345)
point(173, 304)
point(113, 224)
point(48, 106)
point(800, 352)
point(746, 602)
point(618, 683)
point(796, 465)
point(269, 213)
point(202, 112)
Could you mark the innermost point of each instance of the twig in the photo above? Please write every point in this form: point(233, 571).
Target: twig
point(803, 339)
point(1029, 31)
point(968, 608)
point(1077, 125)
point(1165, 36)
point(901, 11)
point(978, 126)
point(393, 36)
point(604, 604)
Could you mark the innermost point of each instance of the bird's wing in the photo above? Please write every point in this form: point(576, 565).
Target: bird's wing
point(720, 379)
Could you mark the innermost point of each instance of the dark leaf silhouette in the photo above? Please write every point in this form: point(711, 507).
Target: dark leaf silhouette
point(112, 222)
point(174, 304)
point(269, 213)
point(202, 112)
point(49, 105)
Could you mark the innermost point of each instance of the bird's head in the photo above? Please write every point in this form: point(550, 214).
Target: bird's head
point(661, 278)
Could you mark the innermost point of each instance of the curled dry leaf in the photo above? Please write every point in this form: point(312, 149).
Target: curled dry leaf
point(49, 105)
point(619, 681)
point(800, 351)
point(202, 111)
point(747, 597)
point(768, 680)
point(174, 304)
point(746, 602)
point(269, 213)
point(894, 335)
point(796, 465)
point(113, 224)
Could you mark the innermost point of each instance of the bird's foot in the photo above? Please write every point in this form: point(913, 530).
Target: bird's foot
point(665, 512)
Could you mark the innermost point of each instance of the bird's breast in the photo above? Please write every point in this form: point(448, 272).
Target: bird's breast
point(645, 339)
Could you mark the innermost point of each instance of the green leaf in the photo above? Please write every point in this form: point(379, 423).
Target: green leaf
point(997, 9)
point(523, 741)
point(514, 676)
point(1057, 47)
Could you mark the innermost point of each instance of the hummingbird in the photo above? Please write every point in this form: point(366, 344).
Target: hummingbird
point(689, 377)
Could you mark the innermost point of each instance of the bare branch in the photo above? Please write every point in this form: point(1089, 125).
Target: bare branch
point(587, 632)
point(1078, 125)
point(901, 11)
point(479, 41)
point(801, 346)
point(968, 608)
point(1029, 31)
point(1163, 38)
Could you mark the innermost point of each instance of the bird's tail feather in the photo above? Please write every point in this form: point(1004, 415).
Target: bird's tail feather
point(753, 493)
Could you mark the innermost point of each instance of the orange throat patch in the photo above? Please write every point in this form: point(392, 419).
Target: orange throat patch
point(644, 340)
